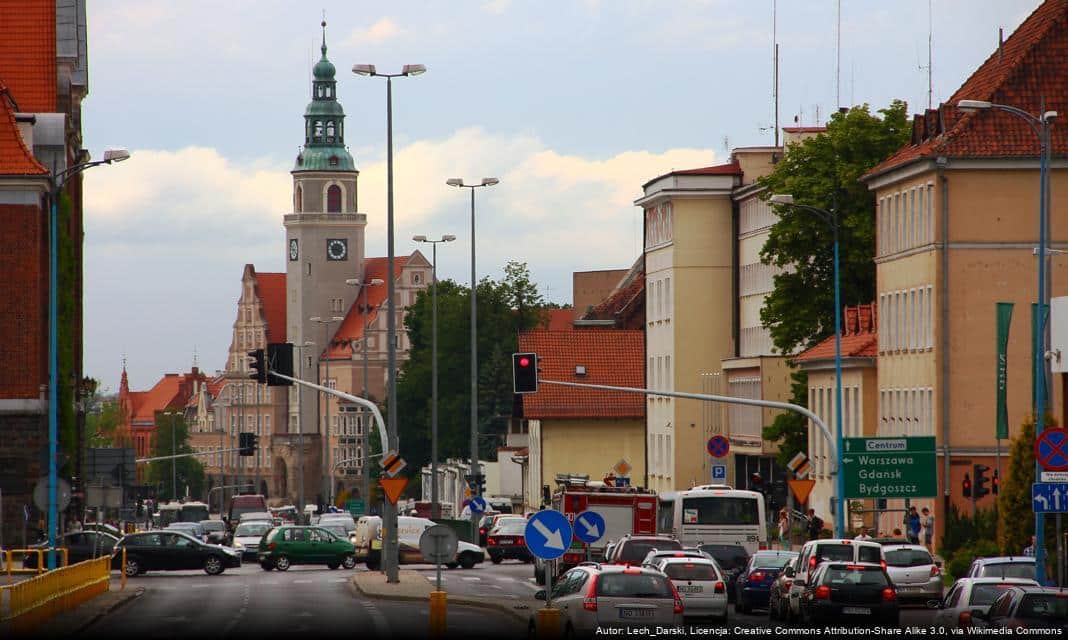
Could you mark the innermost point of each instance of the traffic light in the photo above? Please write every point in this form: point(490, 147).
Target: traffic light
point(981, 479)
point(257, 368)
point(246, 442)
point(279, 360)
point(966, 486)
point(525, 372)
point(995, 482)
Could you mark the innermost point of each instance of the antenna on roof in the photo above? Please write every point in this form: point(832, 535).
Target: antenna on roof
point(194, 355)
point(837, 63)
point(775, 64)
point(1001, 41)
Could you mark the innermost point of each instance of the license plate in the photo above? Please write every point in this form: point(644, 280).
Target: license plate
point(863, 611)
point(690, 589)
point(505, 541)
point(631, 614)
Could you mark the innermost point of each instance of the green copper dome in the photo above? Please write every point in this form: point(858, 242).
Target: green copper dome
point(324, 123)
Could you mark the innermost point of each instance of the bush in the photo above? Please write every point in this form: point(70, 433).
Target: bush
point(961, 530)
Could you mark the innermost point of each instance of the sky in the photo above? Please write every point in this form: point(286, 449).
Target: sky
point(573, 105)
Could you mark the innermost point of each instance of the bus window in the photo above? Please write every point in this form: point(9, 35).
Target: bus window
point(721, 510)
point(665, 517)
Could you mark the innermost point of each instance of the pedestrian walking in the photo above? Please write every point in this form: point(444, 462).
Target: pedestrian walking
point(863, 535)
point(784, 530)
point(928, 523)
point(815, 525)
point(912, 526)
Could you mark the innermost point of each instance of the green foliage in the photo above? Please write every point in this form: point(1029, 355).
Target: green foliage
point(189, 470)
point(824, 172)
point(504, 309)
point(102, 421)
point(789, 428)
point(958, 564)
point(1017, 524)
point(961, 530)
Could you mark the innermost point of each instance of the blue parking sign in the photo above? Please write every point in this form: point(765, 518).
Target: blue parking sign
point(719, 472)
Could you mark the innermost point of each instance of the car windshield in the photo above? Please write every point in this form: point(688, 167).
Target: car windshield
point(249, 529)
point(634, 551)
point(834, 552)
point(636, 585)
point(985, 594)
point(908, 558)
point(1044, 606)
point(727, 555)
point(511, 527)
point(866, 576)
point(1009, 570)
point(690, 571)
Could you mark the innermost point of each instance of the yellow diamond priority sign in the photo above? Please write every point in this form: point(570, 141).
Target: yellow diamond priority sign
point(622, 468)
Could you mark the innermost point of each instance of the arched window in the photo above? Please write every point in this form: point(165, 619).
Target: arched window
point(330, 131)
point(318, 130)
point(333, 199)
point(319, 90)
point(298, 200)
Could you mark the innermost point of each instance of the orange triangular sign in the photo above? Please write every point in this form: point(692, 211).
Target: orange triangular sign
point(393, 487)
point(801, 489)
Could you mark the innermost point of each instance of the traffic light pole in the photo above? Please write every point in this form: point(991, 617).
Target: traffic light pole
point(186, 455)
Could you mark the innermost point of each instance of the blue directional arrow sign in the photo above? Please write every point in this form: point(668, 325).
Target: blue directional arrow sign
point(589, 527)
point(548, 534)
point(477, 504)
point(1049, 497)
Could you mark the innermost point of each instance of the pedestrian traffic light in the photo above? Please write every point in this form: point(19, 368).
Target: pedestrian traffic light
point(279, 360)
point(980, 471)
point(966, 486)
point(246, 442)
point(525, 372)
point(995, 482)
point(257, 368)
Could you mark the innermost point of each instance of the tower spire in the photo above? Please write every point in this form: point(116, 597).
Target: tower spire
point(324, 33)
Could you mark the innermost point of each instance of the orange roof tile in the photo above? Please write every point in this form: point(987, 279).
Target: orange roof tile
point(352, 327)
point(610, 357)
point(271, 288)
point(1031, 64)
point(860, 336)
point(15, 158)
point(559, 319)
point(172, 391)
point(28, 54)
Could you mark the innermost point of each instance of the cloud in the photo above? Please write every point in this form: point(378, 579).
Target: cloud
point(496, 6)
point(382, 30)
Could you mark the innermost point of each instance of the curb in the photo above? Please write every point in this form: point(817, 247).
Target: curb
point(136, 593)
point(460, 600)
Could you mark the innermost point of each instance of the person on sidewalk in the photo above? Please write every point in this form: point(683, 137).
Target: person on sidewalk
point(928, 528)
point(815, 525)
point(912, 526)
point(784, 530)
point(863, 535)
point(1029, 550)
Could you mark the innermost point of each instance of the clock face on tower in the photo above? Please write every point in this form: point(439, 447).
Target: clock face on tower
point(293, 253)
point(337, 249)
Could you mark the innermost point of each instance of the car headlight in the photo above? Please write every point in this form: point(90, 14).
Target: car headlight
point(238, 545)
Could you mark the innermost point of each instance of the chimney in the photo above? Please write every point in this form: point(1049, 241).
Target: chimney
point(866, 314)
point(850, 321)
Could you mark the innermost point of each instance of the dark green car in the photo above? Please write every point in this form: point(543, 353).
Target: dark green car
point(284, 546)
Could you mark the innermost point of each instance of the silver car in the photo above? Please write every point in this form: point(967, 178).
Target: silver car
point(701, 585)
point(654, 557)
point(247, 538)
point(969, 595)
point(592, 596)
point(915, 574)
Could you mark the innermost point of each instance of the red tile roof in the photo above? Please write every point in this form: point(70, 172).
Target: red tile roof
point(15, 158)
point(560, 319)
point(860, 336)
point(1030, 64)
point(28, 54)
point(611, 357)
point(171, 392)
point(625, 301)
point(271, 288)
point(352, 327)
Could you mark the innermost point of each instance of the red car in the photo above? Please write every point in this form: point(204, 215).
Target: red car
point(506, 541)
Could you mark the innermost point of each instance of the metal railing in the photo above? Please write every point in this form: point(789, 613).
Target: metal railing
point(41, 598)
point(8, 557)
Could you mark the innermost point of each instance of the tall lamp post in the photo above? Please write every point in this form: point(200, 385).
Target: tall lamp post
point(328, 474)
point(1040, 124)
point(300, 432)
point(174, 461)
point(365, 471)
point(389, 519)
point(831, 219)
point(435, 506)
point(486, 182)
point(57, 180)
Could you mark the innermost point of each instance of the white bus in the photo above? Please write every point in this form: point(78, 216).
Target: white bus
point(715, 514)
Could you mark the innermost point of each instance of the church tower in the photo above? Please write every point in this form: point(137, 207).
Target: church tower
point(324, 239)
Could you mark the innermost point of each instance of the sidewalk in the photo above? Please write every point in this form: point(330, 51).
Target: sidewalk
point(413, 585)
point(79, 618)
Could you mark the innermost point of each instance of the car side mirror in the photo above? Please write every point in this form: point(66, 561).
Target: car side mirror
point(789, 572)
point(540, 595)
point(934, 604)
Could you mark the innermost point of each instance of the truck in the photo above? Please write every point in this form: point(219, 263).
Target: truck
point(626, 510)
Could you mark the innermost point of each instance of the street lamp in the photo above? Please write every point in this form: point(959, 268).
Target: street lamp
point(365, 475)
point(389, 512)
point(486, 182)
point(435, 506)
point(300, 431)
point(831, 219)
point(57, 180)
point(174, 461)
point(328, 494)
point(1041, 126)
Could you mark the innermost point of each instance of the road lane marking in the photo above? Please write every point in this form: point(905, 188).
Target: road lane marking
point(473, 579)
point(240, 612)
point(378, 620)
point(302, 581)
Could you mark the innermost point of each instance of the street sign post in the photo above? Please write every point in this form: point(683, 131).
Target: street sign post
point(890, 467)
point(1049, 497)
point(718, 446)
point(719, 473)
point(438, 544)
point(477, 504)
point(547, 536)
point(355, 506)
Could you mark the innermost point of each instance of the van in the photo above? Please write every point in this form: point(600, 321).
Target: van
point(245, 504)
point(815, 552)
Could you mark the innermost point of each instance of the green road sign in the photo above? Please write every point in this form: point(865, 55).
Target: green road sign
point(890, 467)
point(355, 507)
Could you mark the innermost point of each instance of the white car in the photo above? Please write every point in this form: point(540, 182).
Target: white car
point(915, 574)
point(247, 538)
point(701, 585)
point(654, 557)
point(409, 528)
point(969, 595)
point(815, 552)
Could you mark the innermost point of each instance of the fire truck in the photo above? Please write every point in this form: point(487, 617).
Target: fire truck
point(625, 509)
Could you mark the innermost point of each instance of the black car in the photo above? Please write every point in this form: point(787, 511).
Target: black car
point(505, 541)
point(1026, 607)
point(215, 530)
point(171, 551)
point(80, 546)
point(732, 559)
point(753, 586)
point(851, 594)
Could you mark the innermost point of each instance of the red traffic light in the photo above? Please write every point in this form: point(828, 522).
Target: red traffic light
point(524, 361)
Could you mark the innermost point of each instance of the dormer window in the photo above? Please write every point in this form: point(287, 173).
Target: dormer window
point(333, 161)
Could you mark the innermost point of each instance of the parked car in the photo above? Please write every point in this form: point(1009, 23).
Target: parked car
point(915, 574)
point(731, 558)
point(969, 596)
point(80, 546)
point(815, 552)
point(171, 550)
point(753, 585)
point(505, 541)
point(192, 528)
point(247, 538)
point(216, 530)
point(592, 595)
point(856, 594)
point(1025, 607)
point(1002, 567)
point(409, 528)
point(288, 545)
point(701, 585)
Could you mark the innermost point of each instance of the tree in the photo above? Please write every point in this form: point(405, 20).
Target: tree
point(790, 428)
point(189, 470)
point(102, 420)
point(1016, 523)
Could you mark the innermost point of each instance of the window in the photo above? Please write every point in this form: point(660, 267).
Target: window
point(318, 131)
point(307, 269)
point(333, 199)
point(667, 298)
point(913, 240)
point(330, 131)
point(298, 199)
point(930, 317)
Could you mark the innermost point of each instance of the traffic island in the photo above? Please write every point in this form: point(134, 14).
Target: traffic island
point(412, 585)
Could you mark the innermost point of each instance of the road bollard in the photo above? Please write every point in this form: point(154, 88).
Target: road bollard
point(123, 569)
point(438, 606)
point(548, 621)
